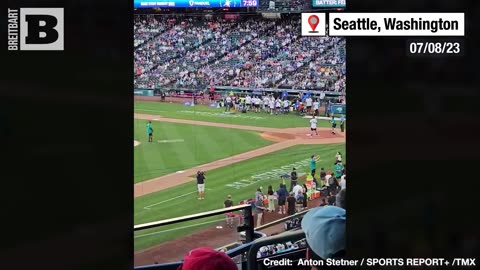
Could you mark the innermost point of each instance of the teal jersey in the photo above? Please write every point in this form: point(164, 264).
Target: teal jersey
point(338, 170)
point(334, 121)
point(313, 164)
point(149, 128)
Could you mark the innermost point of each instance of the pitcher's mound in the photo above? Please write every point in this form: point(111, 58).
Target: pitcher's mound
point(136, 143)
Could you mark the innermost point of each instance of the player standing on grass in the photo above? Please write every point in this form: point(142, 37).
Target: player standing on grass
point(201, 185)
point(150, 131)
point(313, 125)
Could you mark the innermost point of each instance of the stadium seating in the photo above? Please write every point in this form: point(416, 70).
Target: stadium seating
point(253, 52)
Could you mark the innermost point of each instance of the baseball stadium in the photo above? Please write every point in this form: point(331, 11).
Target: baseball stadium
point(239, 135)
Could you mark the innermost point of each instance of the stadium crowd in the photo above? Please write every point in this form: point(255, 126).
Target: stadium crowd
point(254, 52)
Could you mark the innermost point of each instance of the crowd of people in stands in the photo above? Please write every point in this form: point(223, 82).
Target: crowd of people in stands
point(285, 5)
point(195, 53)
point(270, 250)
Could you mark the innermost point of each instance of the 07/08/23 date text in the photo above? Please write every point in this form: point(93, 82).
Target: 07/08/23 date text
point(435, 48)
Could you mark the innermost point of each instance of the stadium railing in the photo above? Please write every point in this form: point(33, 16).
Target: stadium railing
point(253, 235)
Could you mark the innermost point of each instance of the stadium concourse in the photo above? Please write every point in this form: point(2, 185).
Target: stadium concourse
point(250, 51)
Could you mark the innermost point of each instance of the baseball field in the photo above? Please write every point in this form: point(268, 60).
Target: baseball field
point(205, 113)
point(239, 152)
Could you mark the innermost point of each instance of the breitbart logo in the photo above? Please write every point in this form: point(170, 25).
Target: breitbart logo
point(35, 29)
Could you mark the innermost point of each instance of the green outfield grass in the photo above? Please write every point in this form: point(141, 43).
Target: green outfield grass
point(182, 200)
point(205, 113)
point(184, 146)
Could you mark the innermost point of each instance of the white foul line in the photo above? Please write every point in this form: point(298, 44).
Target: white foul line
point(178, 228)
point(171, 199)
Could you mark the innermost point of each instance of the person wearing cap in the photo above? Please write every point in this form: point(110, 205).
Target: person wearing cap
point(205, 258)
point(325, 230)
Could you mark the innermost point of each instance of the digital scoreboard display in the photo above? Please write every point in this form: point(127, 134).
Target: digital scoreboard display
point(195, 3)
point(329, 3)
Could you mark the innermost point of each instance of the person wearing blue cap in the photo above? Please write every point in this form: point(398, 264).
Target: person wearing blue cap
point(325, 230)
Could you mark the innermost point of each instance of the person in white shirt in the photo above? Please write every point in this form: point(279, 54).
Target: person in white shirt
point(277, 106)
point(297, 190)
point(309, 101)
point(316, 106)
point(338, 157)
point(313, 125)
point(343, 182)
point(248, 102)
point(327, 178)
point(272, 105)
point(228, 104)
point(256, 103)
point(285, 106)
point(266, 103)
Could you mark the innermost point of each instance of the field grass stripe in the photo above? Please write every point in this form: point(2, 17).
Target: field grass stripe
point(179, 228)
point(171, 199)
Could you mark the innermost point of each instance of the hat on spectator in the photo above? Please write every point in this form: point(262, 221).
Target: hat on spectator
point(325, 230)
point(205, 258)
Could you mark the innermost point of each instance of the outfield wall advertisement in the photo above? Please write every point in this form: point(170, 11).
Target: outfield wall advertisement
point(143, 92)
point(329, 3)
point(195, 3)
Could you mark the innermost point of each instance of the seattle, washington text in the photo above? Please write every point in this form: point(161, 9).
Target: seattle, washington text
point(395, 24)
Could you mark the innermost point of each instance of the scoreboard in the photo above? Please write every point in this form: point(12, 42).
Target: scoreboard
point(195, 3)
point(328, 3)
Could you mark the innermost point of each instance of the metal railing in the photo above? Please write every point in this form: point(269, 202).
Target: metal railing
point(252, 235)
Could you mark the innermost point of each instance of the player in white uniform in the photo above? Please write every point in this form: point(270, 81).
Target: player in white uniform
point(285, 106)
point(313, 125)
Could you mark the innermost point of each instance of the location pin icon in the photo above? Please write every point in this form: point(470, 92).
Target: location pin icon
point(313, 21)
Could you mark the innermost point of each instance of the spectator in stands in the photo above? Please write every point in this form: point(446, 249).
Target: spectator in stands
point(271, 199)
point(338, 168)
point(297, 191)
point(323, 202)
point(305, 197)
point(205, 258)
point(322, 174)
point(293, 179)
point(325, 232)
point(291, 203)
point(259, 209)
point(258, 195)
point(340, 201)
point(229, 203)
point(343, 182)
point(331, 199)
point(282, 194)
